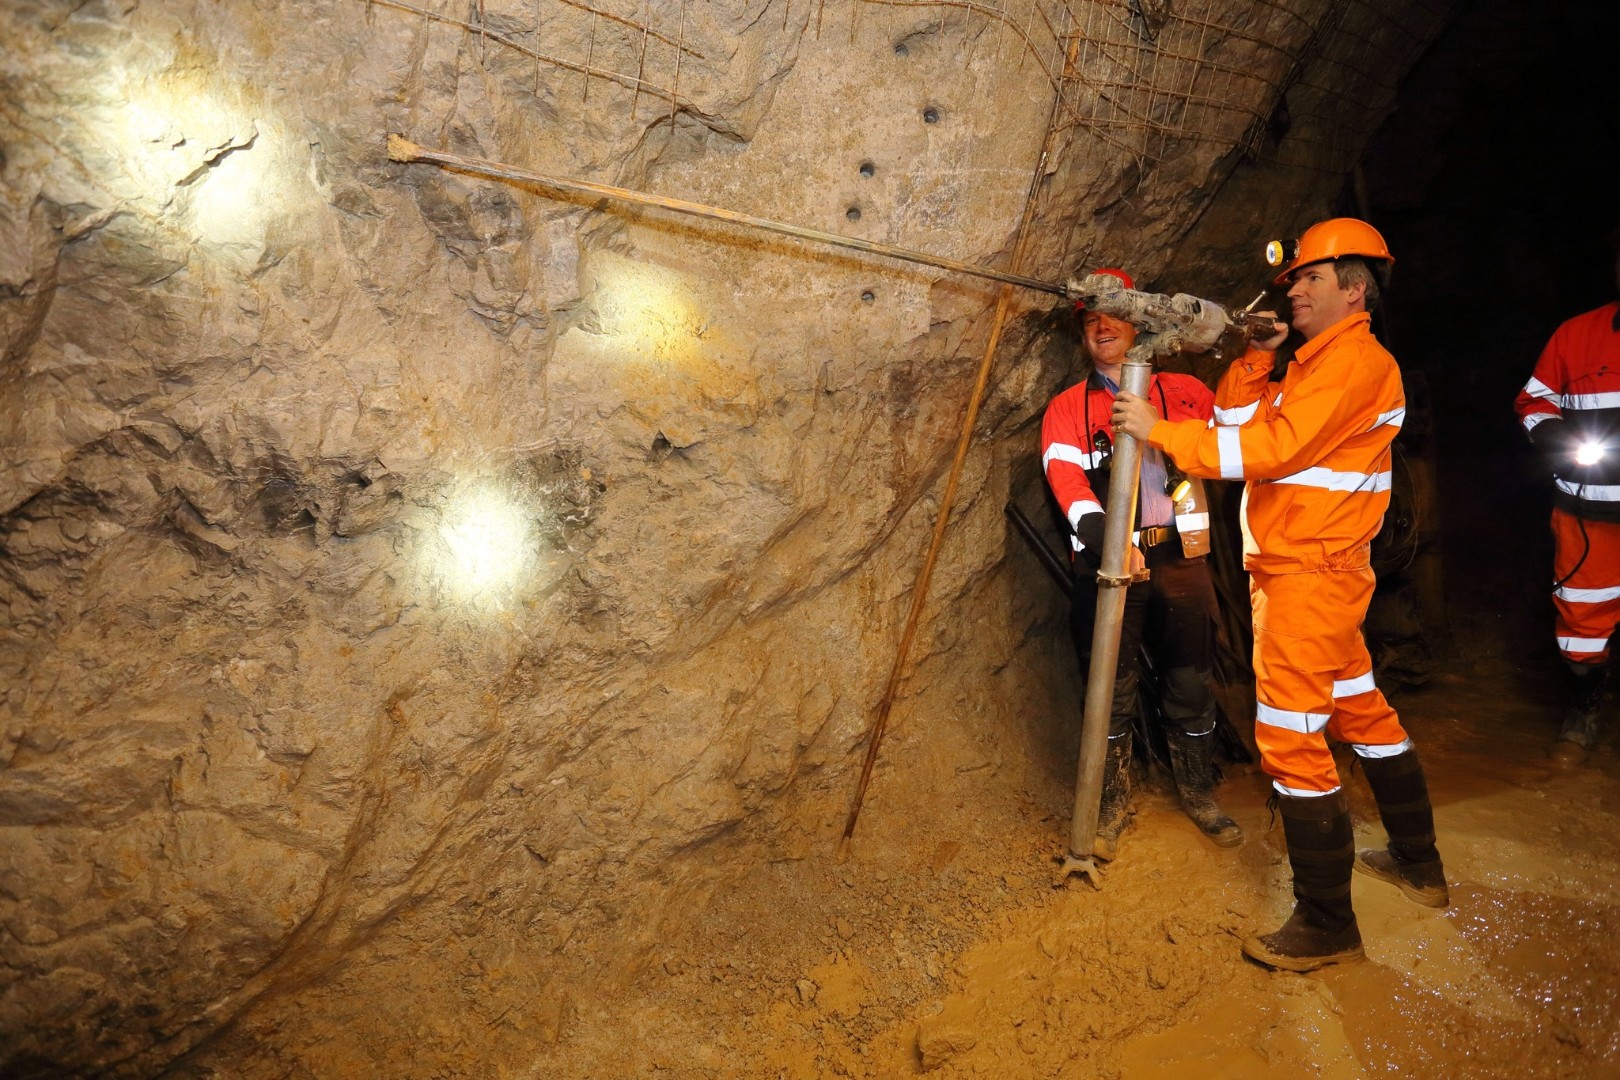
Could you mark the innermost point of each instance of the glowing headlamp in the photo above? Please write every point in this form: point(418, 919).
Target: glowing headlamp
point(1589, 453)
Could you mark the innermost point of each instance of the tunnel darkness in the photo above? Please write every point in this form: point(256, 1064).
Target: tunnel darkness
point(1495, 185)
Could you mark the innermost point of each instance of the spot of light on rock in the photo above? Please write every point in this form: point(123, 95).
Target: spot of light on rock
point(227, 205)
point(486, 546)
point(649, 310)
point(191, 151)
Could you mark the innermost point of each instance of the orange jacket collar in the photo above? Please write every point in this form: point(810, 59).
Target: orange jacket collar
point(1308, 351)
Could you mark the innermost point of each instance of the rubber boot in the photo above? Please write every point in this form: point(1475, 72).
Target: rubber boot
point(1115, 812)
point(1411, 862)
point(1583, 701)
point(1321, 849)
point(1191, 762)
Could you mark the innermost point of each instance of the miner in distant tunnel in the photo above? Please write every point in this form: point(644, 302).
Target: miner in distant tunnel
point(1315, 450)
point(1571, 410)
point(1173, 611)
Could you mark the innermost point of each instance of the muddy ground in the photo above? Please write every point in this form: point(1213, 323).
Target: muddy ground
point(958, 957)
point(942, 947)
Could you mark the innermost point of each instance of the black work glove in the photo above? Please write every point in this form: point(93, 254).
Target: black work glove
point(1556, 439)
point(1090, 532)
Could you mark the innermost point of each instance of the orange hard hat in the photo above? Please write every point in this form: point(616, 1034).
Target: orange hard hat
point(1333, 239)
point(1113, 271)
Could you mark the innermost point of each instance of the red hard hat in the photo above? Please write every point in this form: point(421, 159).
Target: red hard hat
point(1130, 283)
point(1334, 239)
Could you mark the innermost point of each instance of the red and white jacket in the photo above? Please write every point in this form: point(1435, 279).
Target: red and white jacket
point(1577, 382)
point(1077, 437)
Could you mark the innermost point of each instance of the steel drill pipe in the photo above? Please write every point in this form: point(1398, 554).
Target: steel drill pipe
point(403, 150)
point(1113, 579)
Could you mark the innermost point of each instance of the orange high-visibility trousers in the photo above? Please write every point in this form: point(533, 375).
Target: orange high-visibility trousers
point(1314, 678)
point(1587, 554)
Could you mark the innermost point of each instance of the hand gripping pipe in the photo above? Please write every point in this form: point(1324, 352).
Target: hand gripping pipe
point(1113, 579)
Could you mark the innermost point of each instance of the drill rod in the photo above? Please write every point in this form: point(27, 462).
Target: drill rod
point(403, 150)
point(1112, 580)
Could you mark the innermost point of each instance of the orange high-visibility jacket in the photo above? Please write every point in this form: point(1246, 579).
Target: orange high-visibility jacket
point(1314, 448)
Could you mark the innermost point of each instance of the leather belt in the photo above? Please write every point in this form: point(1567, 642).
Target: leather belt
point(1155, 536)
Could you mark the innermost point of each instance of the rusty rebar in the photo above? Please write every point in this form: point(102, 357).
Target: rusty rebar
point(919, 591)
point(403, 150)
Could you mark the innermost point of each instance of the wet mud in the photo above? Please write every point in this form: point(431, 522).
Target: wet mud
point(942, 947)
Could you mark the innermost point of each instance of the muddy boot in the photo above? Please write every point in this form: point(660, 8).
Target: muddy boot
point(1321, 848)
point(1190, 761)
point(1411, 862)
point(1583, 700)
point(1115, 813)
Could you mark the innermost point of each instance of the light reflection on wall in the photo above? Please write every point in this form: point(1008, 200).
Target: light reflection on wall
point(649, 309)
point(485, 545)
point(174, 145)
point(228, 202)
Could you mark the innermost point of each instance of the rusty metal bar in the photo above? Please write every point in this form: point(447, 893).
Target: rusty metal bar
point(403, 150)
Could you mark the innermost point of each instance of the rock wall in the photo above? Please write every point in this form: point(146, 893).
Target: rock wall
point(407, 574)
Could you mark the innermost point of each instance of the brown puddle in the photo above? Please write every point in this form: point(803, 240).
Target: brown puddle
point(1558, 954)
point(1557, 959)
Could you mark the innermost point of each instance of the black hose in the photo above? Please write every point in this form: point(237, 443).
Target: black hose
point(1054, 565)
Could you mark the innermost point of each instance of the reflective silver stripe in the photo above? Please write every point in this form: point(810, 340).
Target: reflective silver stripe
point(1594, 492)
point(1192, 522)
point(1229, 444)
point(1302, 792)
point(1538, 389)
point(1072, 454)
point(1394, 418)
point(1080, 508)
point(1532, 419)
point(1242, 414)
point(1308, 723)
point(1582, 644)
point(1351, 687)
point(1607, 400)
point(1278, 402)
point(1387, 750)
point(1588, 596)
point(1329, 480)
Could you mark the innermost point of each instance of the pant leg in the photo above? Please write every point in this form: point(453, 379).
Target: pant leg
point(1294, 669)
point(1361, 715)
point(1586, 558)
point(1180, 637)
point(1128, 672)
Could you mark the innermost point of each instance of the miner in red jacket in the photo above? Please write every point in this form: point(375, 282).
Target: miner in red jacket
point(1173, 613)
point(1570, 408)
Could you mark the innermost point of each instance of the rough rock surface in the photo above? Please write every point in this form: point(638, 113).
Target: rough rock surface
point(410, 579)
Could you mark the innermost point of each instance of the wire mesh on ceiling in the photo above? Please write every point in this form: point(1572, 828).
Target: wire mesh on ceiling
point(1143, 76)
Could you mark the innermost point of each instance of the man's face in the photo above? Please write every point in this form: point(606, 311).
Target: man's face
point(1107, 338)
point(1319, 301)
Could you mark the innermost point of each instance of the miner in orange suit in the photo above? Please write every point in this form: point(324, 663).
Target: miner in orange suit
point(1315, 451)
point(1570, 408)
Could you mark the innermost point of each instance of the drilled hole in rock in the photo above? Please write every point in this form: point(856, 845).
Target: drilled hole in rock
point(868, 296)
point(930, 115)
point(868, 169)
point(900, 48)
point(853, 213)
